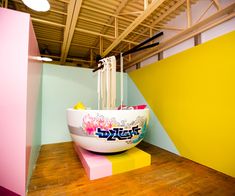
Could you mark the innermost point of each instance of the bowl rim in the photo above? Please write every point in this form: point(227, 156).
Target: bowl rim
point(113, 110)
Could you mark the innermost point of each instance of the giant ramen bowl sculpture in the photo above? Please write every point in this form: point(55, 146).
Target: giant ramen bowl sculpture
point(107, 131)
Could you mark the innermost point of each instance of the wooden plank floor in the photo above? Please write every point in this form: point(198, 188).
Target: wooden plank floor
point(60, 172)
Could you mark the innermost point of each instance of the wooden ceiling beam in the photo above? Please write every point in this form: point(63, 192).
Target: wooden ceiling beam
point(204, 12)
point(47, 22)
point(217, 4)
point(90, 47)
point(50, 56)
point(95, 21)
point(64, 1)
point(146, 3)
point(78, 60)
point(103, 35)
point(111, 21)
point(134, 32)
point(73, 44)
point(213, 20)
point(84, 46)
point(162, 16)
point(113, 15)
point(150, 9)
point(108, 25)
point(188, 11)
point(49, 40)
point(169, 28)
point(58, 12)
point(116, 28)
point(130, 13)
point(71, 21)
point(101, 11)
point(5, 3)
point(168, 12)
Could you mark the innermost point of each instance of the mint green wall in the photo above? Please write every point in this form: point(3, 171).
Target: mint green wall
point(34, 104)
point(63, 87)
point(156, 134)
point(36, 140)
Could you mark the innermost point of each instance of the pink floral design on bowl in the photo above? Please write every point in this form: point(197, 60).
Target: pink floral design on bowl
point(90, 124)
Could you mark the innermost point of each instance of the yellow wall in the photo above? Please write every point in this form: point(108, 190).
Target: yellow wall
point(193, 95)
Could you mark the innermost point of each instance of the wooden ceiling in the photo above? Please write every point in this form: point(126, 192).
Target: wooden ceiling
point(73, 32)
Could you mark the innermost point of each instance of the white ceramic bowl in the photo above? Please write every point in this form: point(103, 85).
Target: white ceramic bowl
point(107, 131)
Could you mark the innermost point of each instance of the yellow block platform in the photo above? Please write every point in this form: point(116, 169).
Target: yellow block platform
point(129, 160)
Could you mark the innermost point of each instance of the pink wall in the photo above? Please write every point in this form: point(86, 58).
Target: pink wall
point(14, 47)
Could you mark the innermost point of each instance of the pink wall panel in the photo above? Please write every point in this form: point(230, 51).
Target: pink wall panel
point(13, 81)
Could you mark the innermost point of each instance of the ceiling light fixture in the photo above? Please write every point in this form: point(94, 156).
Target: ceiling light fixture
point(40, 58)
point(46, 59)
point(37, 5)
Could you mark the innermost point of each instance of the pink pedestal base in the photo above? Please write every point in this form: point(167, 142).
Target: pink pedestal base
point(99, 166)
point(96, 166)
